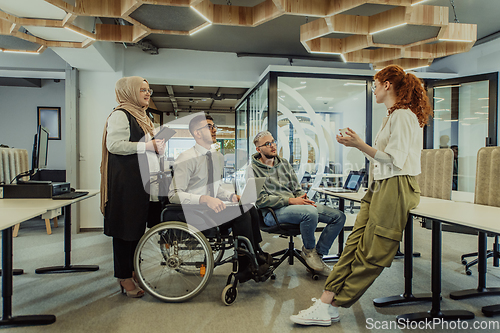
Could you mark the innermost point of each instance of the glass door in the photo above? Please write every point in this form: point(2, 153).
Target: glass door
point(465, 117)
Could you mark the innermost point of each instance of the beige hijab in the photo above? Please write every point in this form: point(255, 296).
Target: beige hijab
point(128, 96)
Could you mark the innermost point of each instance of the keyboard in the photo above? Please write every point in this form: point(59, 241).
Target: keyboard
point(70, 195)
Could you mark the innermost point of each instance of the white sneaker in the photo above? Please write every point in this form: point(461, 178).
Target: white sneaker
point(317, 314)
point(334, 313)
point(312, 259)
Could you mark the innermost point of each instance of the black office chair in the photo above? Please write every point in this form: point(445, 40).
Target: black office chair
point(494, 253)
point(285, 230)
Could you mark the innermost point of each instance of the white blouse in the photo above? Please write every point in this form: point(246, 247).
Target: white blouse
point(399, 143)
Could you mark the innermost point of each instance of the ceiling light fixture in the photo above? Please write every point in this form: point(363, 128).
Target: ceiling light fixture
point(299, 88)
point(455, 40)
point(393, 27)
point(325, 52)
point(20, 51)
point(200, 29)
point(355, 84)
point(418, 3)
point(199, 13)
point(80, 33)
point(412, 69)
point(451, 86)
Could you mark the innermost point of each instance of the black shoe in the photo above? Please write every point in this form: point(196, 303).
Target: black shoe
point(265, 258)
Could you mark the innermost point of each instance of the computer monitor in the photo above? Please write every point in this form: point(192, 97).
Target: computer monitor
point(40, 149)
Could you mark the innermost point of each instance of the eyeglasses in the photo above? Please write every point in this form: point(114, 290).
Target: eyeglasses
point(210, 127)
point(150, 91)
point(269, 144)
point(373, 87)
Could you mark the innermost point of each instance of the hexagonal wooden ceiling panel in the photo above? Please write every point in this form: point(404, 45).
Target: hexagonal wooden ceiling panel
point(406, 32)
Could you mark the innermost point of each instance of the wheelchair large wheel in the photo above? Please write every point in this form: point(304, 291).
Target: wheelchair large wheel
point(173, 262)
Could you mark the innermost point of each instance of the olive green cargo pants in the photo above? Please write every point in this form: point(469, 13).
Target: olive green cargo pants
point(375, 238)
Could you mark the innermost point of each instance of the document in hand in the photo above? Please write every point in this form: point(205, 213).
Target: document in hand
point(164, 133)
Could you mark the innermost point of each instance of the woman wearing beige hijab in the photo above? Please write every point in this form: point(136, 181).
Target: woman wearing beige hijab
point(125, 204)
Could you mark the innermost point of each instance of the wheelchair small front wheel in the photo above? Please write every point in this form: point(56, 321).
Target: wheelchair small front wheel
point(173, 261)
point(229, 294)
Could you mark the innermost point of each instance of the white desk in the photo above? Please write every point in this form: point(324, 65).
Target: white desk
point(47, 205)
point(8, 218)
point(482, 218)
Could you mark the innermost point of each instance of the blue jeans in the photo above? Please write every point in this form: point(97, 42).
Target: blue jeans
point(308, 217)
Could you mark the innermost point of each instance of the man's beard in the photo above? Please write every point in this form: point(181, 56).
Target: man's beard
point(270, 156)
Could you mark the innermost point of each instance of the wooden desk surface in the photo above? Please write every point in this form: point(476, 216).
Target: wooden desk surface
point(480, 217)
point(13, 216)
point(347, 195)
point(47, 204)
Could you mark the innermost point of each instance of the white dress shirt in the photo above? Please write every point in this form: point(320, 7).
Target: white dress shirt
point(191, 176)
point(118, 143)
point(399, 145)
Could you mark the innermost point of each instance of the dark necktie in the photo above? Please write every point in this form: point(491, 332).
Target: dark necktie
point(210, 174)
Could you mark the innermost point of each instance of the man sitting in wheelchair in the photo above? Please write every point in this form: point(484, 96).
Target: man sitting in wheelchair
point(196, 184)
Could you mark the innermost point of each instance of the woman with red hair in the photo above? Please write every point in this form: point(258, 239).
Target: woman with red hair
point(395, 161)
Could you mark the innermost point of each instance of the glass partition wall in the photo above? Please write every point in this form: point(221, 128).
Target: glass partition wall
point(465, 120)
point(304, 112)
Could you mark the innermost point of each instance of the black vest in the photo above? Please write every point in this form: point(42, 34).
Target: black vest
point(127, 208)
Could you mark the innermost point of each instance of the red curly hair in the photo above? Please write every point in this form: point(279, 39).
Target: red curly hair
point(410, 93)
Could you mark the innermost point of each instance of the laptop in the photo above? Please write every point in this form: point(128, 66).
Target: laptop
point(351, 184)
point(250, 192)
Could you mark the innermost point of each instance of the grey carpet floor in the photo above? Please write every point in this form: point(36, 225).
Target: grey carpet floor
point(91, 301)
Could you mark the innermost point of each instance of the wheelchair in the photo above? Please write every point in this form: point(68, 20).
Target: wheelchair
point(174, 261)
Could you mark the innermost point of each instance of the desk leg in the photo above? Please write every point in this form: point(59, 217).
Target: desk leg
point(67, 268)
point(407, 296)
point(481, 265)
point(7, 290)
point(435, 311)
point(340, 237)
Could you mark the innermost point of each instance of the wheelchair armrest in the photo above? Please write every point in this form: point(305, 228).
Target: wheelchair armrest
point(199, 210)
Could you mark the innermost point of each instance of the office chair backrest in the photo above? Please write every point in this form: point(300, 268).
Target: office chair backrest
point(487, 190)
point(435, 181)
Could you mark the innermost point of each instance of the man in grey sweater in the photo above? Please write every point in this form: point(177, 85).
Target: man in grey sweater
point(282, 193)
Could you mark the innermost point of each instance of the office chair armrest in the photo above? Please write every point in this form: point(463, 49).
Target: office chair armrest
point(274, 216)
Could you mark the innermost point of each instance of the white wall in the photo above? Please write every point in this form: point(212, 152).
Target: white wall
point(19, 119)
point(97, 100)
